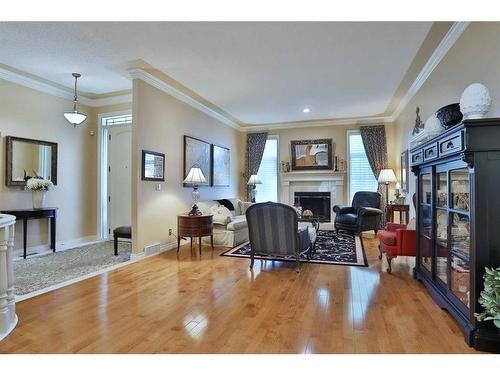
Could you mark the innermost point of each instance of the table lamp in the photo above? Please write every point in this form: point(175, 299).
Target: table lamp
point(386, 176)
point(195, 177)
point(254, 180)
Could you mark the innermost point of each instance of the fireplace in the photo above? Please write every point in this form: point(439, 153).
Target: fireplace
point(317, 202)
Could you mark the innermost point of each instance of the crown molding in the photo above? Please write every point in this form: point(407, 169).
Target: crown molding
point(176, 93)
point(109, 100)
point(442, 49)
point(439, 53)
point(320, 123)
point(37, 85)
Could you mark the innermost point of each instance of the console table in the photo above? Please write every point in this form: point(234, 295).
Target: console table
point(35, 213)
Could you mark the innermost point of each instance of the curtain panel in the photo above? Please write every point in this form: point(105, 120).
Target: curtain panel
point(256, 143)
point(375, 145)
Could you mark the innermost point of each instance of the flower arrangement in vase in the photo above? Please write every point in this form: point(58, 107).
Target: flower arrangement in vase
point(39, 187)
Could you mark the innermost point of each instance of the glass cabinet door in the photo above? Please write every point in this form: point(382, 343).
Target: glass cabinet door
point(426, 188)
point(460, 235)
point(441, 190)
point(460, 259)
point(460, 188)
point(426, 220)
point(442, 245)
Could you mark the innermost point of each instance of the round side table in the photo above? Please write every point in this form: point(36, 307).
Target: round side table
point(194, 226)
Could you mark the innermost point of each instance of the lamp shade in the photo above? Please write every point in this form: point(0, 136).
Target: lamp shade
point(195, 176)
point(254, 180)
point(386, 176)
point(76, 118)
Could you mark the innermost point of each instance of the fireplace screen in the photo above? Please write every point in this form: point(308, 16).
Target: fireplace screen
point(316, 202)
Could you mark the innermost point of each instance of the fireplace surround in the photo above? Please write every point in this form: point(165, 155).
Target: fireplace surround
point(313, 181)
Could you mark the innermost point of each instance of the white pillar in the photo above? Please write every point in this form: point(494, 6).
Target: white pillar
point(8, 317)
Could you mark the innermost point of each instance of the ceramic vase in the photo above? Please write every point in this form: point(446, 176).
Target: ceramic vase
point(38, 198)
point(475, 101)
point(433, 125)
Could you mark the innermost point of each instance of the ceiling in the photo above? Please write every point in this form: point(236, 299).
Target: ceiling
point(259, 73)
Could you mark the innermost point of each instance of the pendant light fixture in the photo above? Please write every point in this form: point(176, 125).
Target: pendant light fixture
point(75, 117)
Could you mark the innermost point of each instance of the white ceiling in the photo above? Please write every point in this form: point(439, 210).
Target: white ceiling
point(257, 72)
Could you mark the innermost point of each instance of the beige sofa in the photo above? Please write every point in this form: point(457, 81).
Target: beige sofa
point(233, 233)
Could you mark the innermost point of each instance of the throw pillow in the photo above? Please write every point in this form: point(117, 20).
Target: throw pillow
point(221, 215)
point(226, 203)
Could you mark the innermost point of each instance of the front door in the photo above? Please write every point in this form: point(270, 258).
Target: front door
point(119, 176)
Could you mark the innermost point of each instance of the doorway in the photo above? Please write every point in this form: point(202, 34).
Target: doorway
point(115, 172)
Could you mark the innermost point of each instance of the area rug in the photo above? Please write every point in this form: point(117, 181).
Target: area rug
point(331, 248)
point(44, 271)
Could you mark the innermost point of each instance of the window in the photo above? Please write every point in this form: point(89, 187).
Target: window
point(268, 173)
point(361, 177)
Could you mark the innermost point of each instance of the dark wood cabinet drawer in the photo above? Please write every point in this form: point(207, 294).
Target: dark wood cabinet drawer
point(452, 144)
point(417, 157)
point(194, 226)
point(431, 152)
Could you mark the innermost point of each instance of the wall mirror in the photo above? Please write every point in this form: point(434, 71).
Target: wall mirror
point(28, 158)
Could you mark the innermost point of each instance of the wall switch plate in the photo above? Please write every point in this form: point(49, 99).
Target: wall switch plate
point(157, 187)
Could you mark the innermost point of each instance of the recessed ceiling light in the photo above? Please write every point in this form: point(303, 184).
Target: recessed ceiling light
point(306, 110)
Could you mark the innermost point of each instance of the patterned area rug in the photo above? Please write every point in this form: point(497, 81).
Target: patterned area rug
point(331, 248)
point(43, 271)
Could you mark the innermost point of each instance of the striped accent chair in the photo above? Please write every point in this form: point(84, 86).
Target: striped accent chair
point(273, 231)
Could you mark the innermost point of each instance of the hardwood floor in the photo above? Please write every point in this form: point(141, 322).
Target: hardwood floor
point(166, 304)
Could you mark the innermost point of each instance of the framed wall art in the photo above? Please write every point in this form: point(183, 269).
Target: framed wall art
point(153, 166)
point(221, 158)
point(197, 152)
point(312, 154)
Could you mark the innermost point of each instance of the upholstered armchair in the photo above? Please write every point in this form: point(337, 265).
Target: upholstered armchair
point(273, 231)
point(363, 214)
point(396, 240)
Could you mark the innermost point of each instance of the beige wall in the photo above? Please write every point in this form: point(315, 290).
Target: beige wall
point(475, 57)
point(159, 123)
point(31, 114)
point(338, 133)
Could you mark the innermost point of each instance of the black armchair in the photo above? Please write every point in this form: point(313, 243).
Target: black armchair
point(364, 213)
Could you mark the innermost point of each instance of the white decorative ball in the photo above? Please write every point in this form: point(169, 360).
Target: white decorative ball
point(475, 101)
point(433, 125)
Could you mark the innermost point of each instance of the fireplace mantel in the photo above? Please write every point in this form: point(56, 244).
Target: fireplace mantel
point(338, 177)
point(313, 181)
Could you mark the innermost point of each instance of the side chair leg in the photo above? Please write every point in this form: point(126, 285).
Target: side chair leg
point(297, 263)
point(251, 262)
point(381, 252)
point(389, 261)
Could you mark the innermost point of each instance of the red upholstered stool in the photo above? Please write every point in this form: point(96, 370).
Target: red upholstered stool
point(395, 241)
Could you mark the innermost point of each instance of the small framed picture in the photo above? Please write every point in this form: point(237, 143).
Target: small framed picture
point(153, 166)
